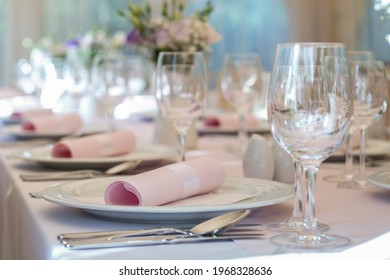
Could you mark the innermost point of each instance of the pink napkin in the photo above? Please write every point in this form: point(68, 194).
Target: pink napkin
point(98, 145)
point(169, 183)
point(55, 123)
point(227, 120)
point(31, 113)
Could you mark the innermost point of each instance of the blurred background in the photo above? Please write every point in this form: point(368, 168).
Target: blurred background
point(245, 25)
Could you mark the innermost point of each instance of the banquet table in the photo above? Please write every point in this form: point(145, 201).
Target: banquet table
point(29, 226)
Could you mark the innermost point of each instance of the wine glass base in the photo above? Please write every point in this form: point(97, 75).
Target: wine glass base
point(353, 185)
point(289, 226)
point(338, 178)
point(316, 240)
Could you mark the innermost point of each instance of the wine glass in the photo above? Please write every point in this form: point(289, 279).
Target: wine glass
point(241, 85)
point(75, 75)
point(370, 104)
point(180, 90)
point(136, 74)
point(310, 111)
point(110, 84)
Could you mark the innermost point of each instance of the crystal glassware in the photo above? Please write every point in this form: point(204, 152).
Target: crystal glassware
point(180, 90)
point(310, 111)
point(75, 75)
point(370, 102)
point(241, 85)
point(110, 84)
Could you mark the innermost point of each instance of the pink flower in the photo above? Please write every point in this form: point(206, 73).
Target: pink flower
point(212, 35)
point(161, 37)
point(181, 30)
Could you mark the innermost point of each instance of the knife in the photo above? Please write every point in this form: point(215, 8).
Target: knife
point(150, 240)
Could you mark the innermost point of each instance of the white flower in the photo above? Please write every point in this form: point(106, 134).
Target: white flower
point(118, 40)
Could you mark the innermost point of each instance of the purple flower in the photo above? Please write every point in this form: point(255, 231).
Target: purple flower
point(133, 37)
point(73, 43)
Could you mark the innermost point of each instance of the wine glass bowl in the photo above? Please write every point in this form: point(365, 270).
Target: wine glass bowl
point(180, 91)
point(310, 110)
point(241, 85)
point(75, 75)
point(110, 84)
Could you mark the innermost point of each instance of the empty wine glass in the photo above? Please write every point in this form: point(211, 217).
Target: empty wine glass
point(370, 95)
point(310, 110)
point(241, 85)
point(75, 75)
point(180, 90)
point(110, 84)
point(136, 74)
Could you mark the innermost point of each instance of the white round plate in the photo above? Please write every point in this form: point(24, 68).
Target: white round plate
point(18, 132)
point(88, 195)
point(381, 179)
point(145, 153)
point(375, 148)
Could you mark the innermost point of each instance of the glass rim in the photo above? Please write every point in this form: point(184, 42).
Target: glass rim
point(313, 44)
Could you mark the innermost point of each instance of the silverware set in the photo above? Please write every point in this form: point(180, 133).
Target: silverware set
point(223, 227)
point(119, 239)
point(81, 174)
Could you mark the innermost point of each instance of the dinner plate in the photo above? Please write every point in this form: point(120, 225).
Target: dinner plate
point(145, 153)
point(375, 148)
point(381, 179)
point(88, 195)
point(18, 132)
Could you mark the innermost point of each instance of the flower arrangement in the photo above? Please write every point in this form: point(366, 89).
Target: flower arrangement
point(171, 30)
point(88, 45)
point(94, 42)
point(47, 45)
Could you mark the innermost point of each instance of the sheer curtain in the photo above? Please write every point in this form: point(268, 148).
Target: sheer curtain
point(246, 25)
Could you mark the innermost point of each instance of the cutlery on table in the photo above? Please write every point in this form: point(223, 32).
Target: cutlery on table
point(213, 226)
point(152, 240)
point(218, 228)
point(81, 174)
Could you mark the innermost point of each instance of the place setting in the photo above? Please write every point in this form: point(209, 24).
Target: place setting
point(199, 190)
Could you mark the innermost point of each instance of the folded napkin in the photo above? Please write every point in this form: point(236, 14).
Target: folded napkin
point(31, 113)
point(228, 120)
point(97, 145)
point(168, 183)
point(55, 123)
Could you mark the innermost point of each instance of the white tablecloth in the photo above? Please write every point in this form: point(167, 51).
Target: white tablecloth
point(29, 226)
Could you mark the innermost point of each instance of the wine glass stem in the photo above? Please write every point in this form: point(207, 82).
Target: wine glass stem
point(361, 178)
point(182, 146)
point(242, 132)
point(349, 155)
point(297, 211)
point(310, 213)
point(110, 120)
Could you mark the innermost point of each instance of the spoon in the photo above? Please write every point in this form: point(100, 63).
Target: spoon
point(80, 174)
point(213, 226)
